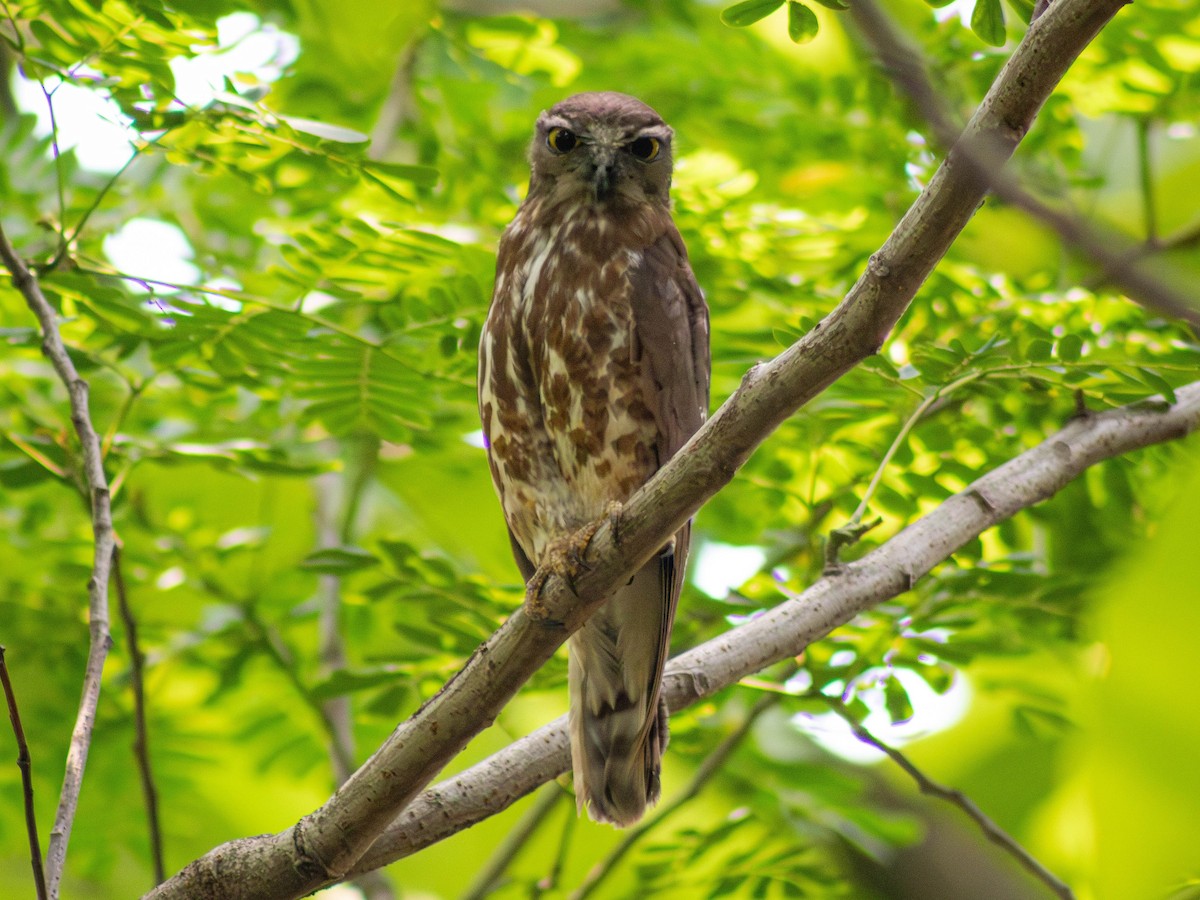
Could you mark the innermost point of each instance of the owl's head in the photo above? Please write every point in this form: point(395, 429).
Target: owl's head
point(602, 148)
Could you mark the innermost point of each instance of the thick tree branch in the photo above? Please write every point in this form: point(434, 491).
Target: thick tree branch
point(783, 632)
point(1114, 254)
point(326, 846)
point(97, 587)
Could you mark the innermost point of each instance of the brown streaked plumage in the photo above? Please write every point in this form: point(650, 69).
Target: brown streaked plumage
point(593, 372)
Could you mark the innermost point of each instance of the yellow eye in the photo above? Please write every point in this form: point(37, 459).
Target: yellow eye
point(644, 148)
point(560, 140)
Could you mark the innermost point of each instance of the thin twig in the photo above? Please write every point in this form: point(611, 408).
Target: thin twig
point(25, 765)
point(332, 652)
point(277, 652)
point(398, 107)
point(59, 177)
point(141, 744)
point(104, 539)
point(550, 882)
point(64, 246)
point(36, 455)
point(336, 711)
point(1146, 180)
point(704, 773)
point(1112, 254)
point(8, 104)
point(904, 63)
point(922, 408)
point(492, 873)
point(990, 829)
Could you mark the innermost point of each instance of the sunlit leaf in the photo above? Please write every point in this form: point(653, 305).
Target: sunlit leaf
point(337, 560)
point(987, 21)
point(802, 22)
point(749, 11)
point(325, 130)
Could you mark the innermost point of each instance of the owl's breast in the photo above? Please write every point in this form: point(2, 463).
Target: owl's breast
point(565, 399)
point(577, 315)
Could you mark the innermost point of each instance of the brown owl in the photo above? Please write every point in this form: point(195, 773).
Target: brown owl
point(593, 372)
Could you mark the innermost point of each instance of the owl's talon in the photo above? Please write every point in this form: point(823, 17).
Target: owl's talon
point(612, 513)
point(533, 587)
point(566, 557)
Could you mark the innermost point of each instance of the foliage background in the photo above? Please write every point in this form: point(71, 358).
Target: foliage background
point(294, 423)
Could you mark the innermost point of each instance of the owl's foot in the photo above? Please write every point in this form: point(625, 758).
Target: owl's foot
point(566, 556)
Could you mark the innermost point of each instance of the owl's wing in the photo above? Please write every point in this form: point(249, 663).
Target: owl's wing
point(524, 564)
point(618, 722)
point(671, 334)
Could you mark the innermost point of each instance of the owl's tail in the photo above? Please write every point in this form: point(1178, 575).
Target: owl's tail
point(618, 721)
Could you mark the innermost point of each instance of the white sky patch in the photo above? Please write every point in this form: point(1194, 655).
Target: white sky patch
point(246, 45)
point(932, 712)
point(315, 301)
point(343, 892)
point(93, 125)
point(219, 300)
point(171, 578)
point(88, 121)
point(722, 567)
point(153, 250)
point(475, 439)
point(960, 8)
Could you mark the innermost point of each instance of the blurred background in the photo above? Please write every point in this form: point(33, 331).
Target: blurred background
point(270, 230)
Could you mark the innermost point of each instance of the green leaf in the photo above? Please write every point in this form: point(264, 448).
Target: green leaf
point(895, 697)
point(1157, 382)
point(1070, 347)
point(346, 681)
point(987, 21)
point(748, 12)
point(423, 176)
point(1039, 350)
point(325, 131)
point(834, 4)
point(339, 560)
point(802, 22)
point(1023, 8)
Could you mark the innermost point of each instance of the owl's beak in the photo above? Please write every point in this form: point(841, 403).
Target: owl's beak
point(603, 181)
point(604, 177)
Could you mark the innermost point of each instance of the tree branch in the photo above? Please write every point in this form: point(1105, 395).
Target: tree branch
point(327, 845)
point(141, 742)
point(786, 630)
point(25, 765)
point(990, 829)
point(97, 587)
point(1115, 255)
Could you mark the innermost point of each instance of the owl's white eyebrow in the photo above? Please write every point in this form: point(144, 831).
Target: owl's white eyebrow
point(655, 131)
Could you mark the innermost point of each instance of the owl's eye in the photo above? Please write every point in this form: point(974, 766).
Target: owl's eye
point(644, 148)
point(560, 140)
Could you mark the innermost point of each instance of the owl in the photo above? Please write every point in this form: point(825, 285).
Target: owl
point(593, 372)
